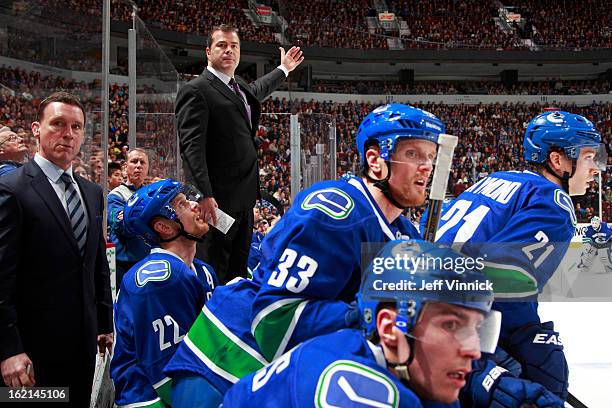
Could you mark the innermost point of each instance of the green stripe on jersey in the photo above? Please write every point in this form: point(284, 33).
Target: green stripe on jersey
point(274, 325)
point(163, 389)
point(222, 348)
point(510, 280)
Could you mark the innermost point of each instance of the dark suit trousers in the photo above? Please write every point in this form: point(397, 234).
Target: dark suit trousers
point(228, 254)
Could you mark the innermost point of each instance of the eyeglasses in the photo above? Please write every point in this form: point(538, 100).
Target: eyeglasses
point(11, 138)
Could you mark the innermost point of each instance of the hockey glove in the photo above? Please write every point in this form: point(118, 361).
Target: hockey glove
point(492, 386)
point(505, 360)
point(540, 351)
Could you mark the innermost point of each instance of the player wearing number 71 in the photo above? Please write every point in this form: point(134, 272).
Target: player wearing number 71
point(524, 222)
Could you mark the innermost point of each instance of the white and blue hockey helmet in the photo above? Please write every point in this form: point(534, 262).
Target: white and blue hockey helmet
point(596, 223)
point(412, 274)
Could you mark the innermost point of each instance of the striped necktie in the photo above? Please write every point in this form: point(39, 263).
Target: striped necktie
point(76, 214)
point(236, 88)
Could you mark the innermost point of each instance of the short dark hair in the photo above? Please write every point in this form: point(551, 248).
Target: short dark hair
point(226, 28)
point(112, 166)
point(63, 97)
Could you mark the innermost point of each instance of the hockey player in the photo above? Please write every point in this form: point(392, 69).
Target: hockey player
point(327, 225)
point(532, 214)
point(415, 347)
point(311, 264)
point(161, 295)
point(598, 238)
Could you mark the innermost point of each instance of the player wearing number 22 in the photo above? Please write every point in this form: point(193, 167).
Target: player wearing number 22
point(161, 295)
point(531, 214)
point(311, 260)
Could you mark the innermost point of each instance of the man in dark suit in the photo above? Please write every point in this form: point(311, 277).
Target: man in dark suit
point(55, 301)
point(217, 117)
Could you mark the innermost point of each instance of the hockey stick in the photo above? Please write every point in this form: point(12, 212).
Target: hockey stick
point(447, 144)
point(575, 402)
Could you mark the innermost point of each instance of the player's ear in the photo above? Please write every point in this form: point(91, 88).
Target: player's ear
point(556, 160)
point(162, 227)
point(376, 165)
point(385, 325)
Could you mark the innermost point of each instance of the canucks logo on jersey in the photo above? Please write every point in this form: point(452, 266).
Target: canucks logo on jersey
point(157, 270)
point(331, 201)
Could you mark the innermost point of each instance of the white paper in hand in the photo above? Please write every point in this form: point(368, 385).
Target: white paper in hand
point(224, 221)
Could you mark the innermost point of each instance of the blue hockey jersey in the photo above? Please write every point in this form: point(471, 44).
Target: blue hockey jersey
point(340, 369)
point(219, 346)
point(159, 299)
point(310, 269)
point(521, 224)
point(599, 239)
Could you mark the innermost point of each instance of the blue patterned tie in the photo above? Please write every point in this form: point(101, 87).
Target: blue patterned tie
point(76, 214)
point(241, 95)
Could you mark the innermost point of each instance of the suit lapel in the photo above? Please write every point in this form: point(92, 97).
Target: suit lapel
point(47, 194)
point(228, 93)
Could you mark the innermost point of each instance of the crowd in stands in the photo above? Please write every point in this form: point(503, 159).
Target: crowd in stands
point(490, 135)
point(567, 24)
point(328, 23)
point(322, 23)
point(550, 87)
point(452, 24)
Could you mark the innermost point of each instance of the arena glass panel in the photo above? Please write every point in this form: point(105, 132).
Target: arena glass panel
point(157, 83)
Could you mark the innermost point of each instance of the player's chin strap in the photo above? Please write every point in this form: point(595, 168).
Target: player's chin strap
point(402, 368)
point(383, 185)
point(183, 233)
point(564, 179)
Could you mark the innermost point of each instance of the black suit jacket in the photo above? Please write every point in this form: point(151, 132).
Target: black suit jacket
point(216, 139)
point(53, 301)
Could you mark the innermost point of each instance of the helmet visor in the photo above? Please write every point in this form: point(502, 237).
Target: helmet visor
point(186, 199)
point(596, 155)
point(470, 330)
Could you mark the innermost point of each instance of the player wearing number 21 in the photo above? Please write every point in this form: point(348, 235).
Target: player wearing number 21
point(532, 215)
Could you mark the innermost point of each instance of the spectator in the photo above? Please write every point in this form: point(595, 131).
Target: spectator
point(129, 248)
point(13, 150)
point(55, 300)
point(115, 176)
point(216, 142)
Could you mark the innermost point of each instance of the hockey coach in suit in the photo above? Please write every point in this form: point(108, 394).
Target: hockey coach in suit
point(217, 116)
point(55, 301)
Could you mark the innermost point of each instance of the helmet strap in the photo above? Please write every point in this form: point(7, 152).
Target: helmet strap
point(564, 179)
point(402, 368)
point(183, 233)
point(383, 185)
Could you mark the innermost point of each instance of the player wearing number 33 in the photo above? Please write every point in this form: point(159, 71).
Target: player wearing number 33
point(161, 295)
point(311, 261)
point(310, 269)
point(413, 348)
point(524, 222)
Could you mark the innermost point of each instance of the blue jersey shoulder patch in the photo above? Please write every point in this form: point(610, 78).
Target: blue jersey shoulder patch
point(563, 200)
point(153, 271)
point(348, 383)
point(331, 201)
